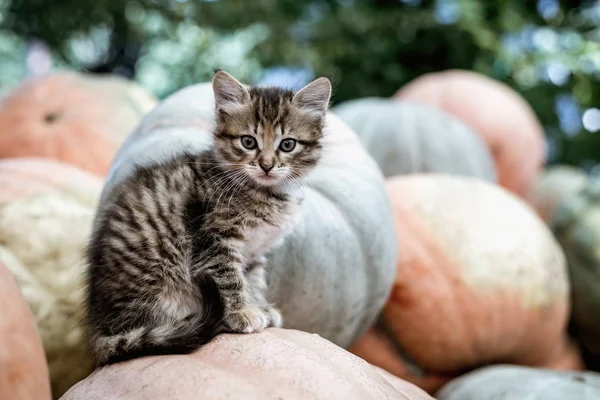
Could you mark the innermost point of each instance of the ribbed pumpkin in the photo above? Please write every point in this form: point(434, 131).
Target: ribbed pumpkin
point(273, 364)
point(511, 382)
point(77, 118)
point(406, 137)
point(500, 115)
point(571, 203)
point(23, 370)
point(553, 187)
point(334, 271)
point(480, 279)
point(22, 177)
point(46, 211)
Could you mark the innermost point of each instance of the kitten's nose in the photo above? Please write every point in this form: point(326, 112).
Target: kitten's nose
point(266, 167)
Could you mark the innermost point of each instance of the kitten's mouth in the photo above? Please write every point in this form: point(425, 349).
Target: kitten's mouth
point(267, 179)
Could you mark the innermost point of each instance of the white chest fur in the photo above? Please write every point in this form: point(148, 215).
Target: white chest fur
point(263, 238)
point(266, 236)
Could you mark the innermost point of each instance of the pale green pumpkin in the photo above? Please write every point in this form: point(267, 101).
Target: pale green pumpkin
point(553, 186)
point(507, 382)
point(405, 137)
point(569, 201)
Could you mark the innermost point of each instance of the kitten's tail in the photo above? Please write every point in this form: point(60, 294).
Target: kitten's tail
point(180, 337)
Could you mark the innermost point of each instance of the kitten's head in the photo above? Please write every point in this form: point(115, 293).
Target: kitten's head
point(269, 136)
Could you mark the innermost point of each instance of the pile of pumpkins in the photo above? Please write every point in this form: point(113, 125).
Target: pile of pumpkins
point(449, 262)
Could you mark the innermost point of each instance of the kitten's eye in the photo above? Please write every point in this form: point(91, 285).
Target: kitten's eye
point(287, 145)
point(248, 142)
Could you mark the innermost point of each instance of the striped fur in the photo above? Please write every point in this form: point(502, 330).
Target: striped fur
point(177, 255)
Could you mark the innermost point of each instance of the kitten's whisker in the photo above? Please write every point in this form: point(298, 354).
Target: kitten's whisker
point(214, 176)
point(225, 182)
point(294, 179)
point(215, 163)
point(232, 175)
point(237, 189)
point(218, 174)
point(288, 183)
point(214, 188)
point(221, 176)
point(325, 215)
point(231, 185)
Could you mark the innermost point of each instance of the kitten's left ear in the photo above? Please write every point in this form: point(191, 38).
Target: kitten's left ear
point(229, 92)
point(314, 97)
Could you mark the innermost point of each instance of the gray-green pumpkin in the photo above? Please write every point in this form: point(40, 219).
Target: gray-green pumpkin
point(511, 382)
point(569, 201)
point(553, 186)
point(334, 272)
point(406, 137)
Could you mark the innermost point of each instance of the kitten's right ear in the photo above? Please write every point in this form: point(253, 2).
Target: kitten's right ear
point(314, 97)
point(229, 92)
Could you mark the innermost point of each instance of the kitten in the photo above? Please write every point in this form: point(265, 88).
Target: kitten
point(178, 256)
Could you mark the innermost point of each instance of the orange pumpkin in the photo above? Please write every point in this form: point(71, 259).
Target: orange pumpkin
point(22, 177)
point(480, 279)
point(23, 370)
point(73, 117)
point(499, 114)
point(46, 211)
point(273, 364)
point(383, 350)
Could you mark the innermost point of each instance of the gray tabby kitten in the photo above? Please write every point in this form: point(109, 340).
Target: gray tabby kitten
point(178, 257)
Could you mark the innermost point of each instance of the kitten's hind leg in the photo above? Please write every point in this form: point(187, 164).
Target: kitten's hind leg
point(241, 314)
point(257, 291)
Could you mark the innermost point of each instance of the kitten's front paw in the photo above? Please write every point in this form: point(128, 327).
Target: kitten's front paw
point(275, 319)
point(253, 319)
point(247, 320)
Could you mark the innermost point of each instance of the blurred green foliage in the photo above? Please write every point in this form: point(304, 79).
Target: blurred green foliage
point(548, 50)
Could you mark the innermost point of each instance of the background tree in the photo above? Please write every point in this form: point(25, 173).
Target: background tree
point(548, 50)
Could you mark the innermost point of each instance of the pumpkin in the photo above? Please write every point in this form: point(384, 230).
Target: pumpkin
point(500, 115)
point(22, 177)
point(23, 370)
point(480, 280)
point(334, 271)
point(405, 137)
point(45, 221)
point(553, 186)
point(77, 118)
point(380, 348)
point(272, 364)
point(574, 216)
point(511, 382)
